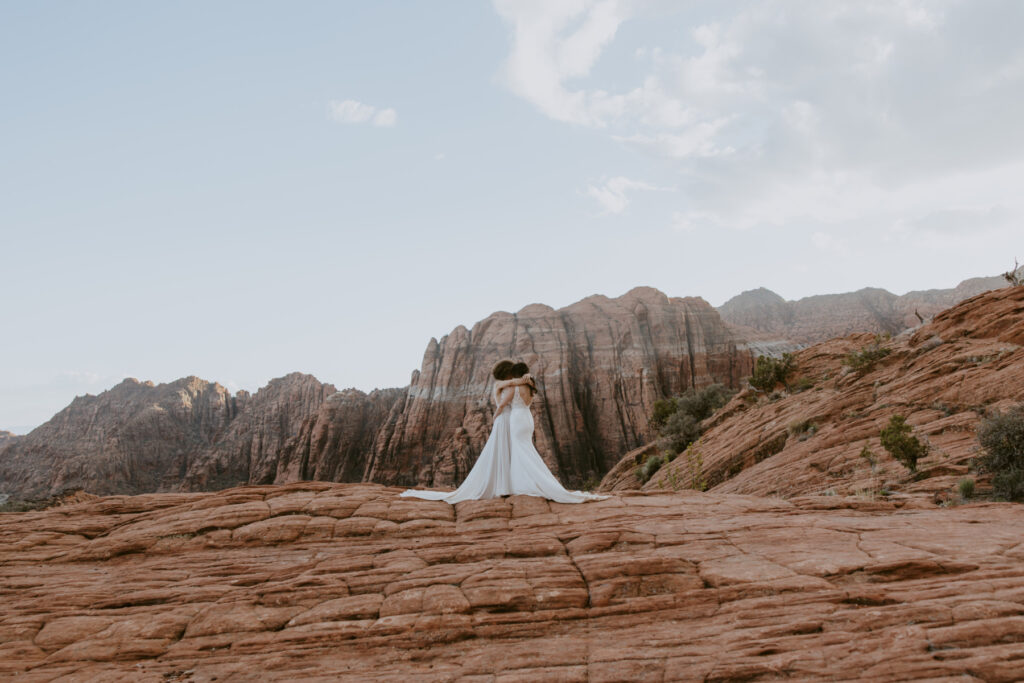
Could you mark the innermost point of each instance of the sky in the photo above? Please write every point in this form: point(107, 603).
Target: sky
point(239, 190)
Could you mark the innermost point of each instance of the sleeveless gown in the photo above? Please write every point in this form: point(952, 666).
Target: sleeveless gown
point(509, 465)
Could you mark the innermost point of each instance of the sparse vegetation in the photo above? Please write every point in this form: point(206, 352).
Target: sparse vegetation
point(681, 427)
point(801, 384)
point(22, 505)
point(864, 361)
point(869, 455)
point(966, 487)
point(695, 467)
point(770, 372)
point(1015, 277)
point(651, 465)
point(898, 439)
point(803, 430)
point(1002, 438)
point(591, 482)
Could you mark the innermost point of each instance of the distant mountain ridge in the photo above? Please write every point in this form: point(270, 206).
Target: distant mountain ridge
point(763, 316)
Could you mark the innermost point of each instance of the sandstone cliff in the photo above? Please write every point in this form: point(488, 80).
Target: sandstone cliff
point(600, 365)
point(762, 316)
point(250, 448)
point(348, 582)
point(942, 377)
point(136, 437)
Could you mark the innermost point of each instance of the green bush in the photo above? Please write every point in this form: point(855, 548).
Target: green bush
point(966, 487)
point(902, 444)
point(681, 427)
point(1002, 438)
point(864, 361)
point(650, 466)
point(770, 372)
point(664, 409)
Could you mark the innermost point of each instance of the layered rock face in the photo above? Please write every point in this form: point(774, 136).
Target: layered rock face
point(942, 377)
point(763, 316)
point(349, 582)
point(250, 448)
point(133, 438)
point(336, 443)
point(600, 364)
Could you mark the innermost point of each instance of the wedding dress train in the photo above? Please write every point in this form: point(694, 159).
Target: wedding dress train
point(509, 465)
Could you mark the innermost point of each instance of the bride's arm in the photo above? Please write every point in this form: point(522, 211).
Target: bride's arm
point(501, 384)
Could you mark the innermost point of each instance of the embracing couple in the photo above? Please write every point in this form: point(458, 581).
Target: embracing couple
point(509, 464)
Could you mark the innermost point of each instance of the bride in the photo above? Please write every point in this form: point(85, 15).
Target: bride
point(509, 464)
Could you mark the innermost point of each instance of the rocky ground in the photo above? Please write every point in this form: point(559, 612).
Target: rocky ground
point(318, 581)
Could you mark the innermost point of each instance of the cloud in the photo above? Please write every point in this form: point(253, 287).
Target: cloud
point(823, 117)
point(613, 194)
point(354, 111)
point(385, 117)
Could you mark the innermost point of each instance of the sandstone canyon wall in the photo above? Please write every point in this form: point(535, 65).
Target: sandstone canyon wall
point(600, 365)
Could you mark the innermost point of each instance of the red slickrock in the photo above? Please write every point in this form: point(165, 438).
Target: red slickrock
point(942, 377)
point(349, 582)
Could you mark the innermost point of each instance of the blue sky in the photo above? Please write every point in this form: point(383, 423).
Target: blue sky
point(238, 190)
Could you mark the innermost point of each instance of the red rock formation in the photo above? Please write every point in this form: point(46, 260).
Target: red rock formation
point(135, 437)
point(249, 450)
point(762, 316)
point(336, 442)
point(7, 437)
point(942, 377)
point(349, 582)
point(600, 365)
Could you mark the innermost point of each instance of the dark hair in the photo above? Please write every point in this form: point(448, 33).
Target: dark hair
point(518, 370)
point(502, 370)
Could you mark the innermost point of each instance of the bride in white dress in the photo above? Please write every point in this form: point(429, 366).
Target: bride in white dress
point(509, 464)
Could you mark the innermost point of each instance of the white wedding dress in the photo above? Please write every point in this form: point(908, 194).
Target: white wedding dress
point(509, 464)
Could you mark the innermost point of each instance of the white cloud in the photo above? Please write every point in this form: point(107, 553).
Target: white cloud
point(385, 118)
point(613, 196)
point(831, 118)
point(354, 111)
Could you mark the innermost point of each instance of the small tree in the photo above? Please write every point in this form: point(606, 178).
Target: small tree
point(897, 438)
point(681, 426)
point(863, 361)
point(1002, 438)
point(770, 372)
point(1014, 277)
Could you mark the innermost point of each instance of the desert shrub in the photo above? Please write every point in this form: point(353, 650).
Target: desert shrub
point(966, 487)
point(898, 439)
point(695, 467)
point(869, 455)
point(864, 361)
point(770, 372)
point(803, 430)
point(802, 384)
point(1002, 438)
point(664, 409)
point(681, 427)
point(651, 465)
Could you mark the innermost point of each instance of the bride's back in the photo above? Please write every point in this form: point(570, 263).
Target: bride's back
point(524, 393)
